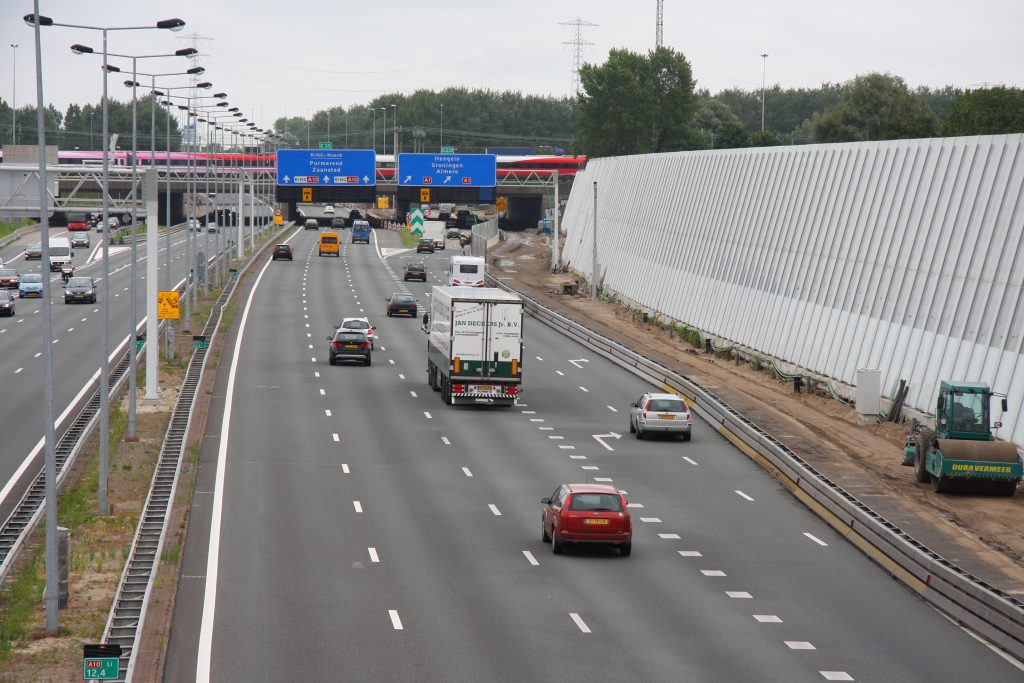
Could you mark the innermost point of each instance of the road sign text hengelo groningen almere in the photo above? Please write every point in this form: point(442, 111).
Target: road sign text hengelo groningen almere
point(447, 170)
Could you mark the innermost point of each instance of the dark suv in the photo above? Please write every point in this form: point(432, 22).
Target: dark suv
point(426, 244)
point(311, 224)
point(282, 251)
point(415, 271)
point(349, 345)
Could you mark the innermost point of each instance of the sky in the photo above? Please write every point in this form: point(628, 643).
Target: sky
point(277, 58)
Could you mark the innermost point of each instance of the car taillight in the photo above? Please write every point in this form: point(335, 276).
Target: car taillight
point(335, 344)
point(644, 414)
point(458, 388)
point(511, 389)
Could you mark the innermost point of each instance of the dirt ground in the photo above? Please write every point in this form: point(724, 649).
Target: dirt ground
point(982, 534)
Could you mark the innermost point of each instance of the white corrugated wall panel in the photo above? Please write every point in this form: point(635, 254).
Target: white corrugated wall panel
point(904, 255)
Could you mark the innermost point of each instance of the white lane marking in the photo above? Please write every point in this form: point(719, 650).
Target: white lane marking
point(84, 319)
point(528, 412)
point(313, 359)
point(579, 622)
point(577, 457)
point(799, 645)
point(344, 468)
point(336, 437)
point(743, 495)
point(768, 618)
point(546, 429)
point(494, 509)
point(38, 354)
point(530, 558)
point(589, 467)
point(71, 329)
point(555, 437)
point(607, 479)
point(323, 392)
point(689, 460)
point(536, 419)
point(566, 448)
point(373, 555)
point(467, 472)
point(445, 441)
point(426, 414)
point(396, 621)
point(650, 520)
point(559, 372)
point(401, 376)
point(309, 334)
point(712, 572)
point(690, 553)
point(55, 341)
point(18, 370)
point(836, 676)
point(585, 390)
point(327, 412)
point(611, 408)
point(815, 539)
point(413, 394)
point(669, 537)
point(634, 505)
point(391, 361)
point(539, 358)
point(205, 652)
point(357, 505)
point(740, 595)
point(310, 346)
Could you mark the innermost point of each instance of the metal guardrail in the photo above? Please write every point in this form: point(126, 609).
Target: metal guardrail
point(988, 611)
point(128, 611)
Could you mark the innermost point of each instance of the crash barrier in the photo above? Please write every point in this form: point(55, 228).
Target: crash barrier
point(993, 614)
point(485, 236)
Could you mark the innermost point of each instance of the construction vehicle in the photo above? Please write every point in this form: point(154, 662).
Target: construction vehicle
point(960, 455)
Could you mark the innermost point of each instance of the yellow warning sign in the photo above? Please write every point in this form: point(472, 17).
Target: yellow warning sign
point(383, 202)
point(307, 194)
point(278, 219)
point(500, 204)
point(168, 305)
point(424, 194)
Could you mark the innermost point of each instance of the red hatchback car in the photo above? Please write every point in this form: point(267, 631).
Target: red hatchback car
point(587, 513)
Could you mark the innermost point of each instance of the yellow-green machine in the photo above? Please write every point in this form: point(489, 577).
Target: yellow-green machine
point(960, 455)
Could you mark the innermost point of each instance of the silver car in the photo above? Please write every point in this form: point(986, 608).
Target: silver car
point(665, 413)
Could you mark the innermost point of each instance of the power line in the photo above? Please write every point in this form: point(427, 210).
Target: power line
point(578, 44)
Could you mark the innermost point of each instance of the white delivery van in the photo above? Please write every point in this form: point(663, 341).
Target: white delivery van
point(60, 252)
point(466, 271)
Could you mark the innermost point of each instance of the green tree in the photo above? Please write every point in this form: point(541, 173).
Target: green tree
point(721, 128)
point(636, 104)
point(987, 111)
point(875, 107)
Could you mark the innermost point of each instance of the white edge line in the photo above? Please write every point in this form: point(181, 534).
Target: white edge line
point(579, 622)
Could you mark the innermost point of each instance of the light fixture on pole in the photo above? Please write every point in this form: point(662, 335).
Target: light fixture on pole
point(36, 20)
point(394, 126)
point(764, 75)
point(374, 130)
point(442, 125)
point(384, 129)
point(14, 89)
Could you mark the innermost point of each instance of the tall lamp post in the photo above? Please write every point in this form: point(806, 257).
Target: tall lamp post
point(50, 597)
point(394, 125)
point(764, 75)
point(442, 125)
point(384, 129)
point(14, 89)
point(133, 332)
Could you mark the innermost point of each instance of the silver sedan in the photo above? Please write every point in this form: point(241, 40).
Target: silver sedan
point(666, 413)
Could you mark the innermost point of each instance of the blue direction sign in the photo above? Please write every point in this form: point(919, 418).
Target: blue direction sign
point(326, 167)
point(447, 170)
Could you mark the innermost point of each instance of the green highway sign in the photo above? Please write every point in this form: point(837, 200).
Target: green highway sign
point(101, 662)
point(447, 150)
point(325, 145)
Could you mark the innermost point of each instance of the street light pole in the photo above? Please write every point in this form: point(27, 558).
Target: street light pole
point(764, 75)
point(374, 130)
point(384, 129)
point(442, 125)
point(394, 125)
point(14, 90)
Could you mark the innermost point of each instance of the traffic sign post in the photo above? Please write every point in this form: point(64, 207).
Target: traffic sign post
point(383, 202)
point(307, 194)
point(327, 167)
point(500, 204)
point(416, 222)
point(278, 220)
point(168, 305)
point(447, 170)
point(101, 662)
point(425, 195)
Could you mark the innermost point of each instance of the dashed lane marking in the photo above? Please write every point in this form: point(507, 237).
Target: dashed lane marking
point(744, 496)
point(357, 505)
point(494, 509)
point(396, 621)
point(530, 558)
point(768, 618)
point(466, 471)
point(816, 539)
point(579, 622)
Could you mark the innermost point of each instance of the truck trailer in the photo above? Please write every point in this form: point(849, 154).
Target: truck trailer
point(475, 345)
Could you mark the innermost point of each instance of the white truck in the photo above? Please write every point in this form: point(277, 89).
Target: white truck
point(466, 271)
point(475, 345)
point(60, 252)
point(434, 230)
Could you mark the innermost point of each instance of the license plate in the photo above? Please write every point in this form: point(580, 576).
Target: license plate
point(79, 296)
point(666, 417)
point(351, 346)
point(595, 520)
point(485, 387)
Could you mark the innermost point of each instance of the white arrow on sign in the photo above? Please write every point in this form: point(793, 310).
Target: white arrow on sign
point(447, 179)
point(578, 361)
point(286, 179)
point(326, 180)
point(366, 179)
point(408, 178)
point(601, 437)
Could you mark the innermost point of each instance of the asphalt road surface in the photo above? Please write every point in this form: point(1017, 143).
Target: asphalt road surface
point(362, 530)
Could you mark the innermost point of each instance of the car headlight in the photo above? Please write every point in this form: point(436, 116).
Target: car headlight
point(88, 291)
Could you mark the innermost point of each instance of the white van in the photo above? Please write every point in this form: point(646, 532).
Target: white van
point(466, 271)
point(60, 252)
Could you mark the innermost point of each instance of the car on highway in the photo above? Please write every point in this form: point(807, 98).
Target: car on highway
point(113, 222)
point(80, 239)
point(353, 216)
point(9, 278)
point(360, 232)
point(415, 271)
point(328, 210)
point(311, 224)
point(282, 252)
point(660, 413)
point(31, 285)
point(338, 224)
point(80, 289)
point(453, 233)
point(6, 302)
point(401, 303)
point(349, 345)
point(361, 325)
point(193, 225)
point(587, 513)
point(425, 245)
point(34, 251)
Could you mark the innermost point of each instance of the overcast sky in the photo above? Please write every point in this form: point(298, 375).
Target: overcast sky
point(274, 57)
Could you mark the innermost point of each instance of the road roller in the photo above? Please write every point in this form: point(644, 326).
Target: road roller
point(960, 455)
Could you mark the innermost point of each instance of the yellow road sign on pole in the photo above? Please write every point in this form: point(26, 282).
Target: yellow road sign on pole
point(424, 194)
point(500, 204)
point(168, 305)
point(307, 194)
point(383, 202)
point(278, 219)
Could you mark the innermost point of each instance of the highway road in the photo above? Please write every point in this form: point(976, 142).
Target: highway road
point(77, 335)
point(347, 525)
